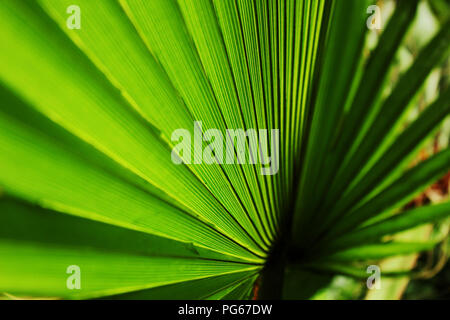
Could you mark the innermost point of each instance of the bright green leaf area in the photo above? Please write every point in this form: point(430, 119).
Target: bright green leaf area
point(42, 270)
point(86, 123)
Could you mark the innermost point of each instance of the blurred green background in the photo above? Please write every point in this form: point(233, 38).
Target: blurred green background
point(433, 270)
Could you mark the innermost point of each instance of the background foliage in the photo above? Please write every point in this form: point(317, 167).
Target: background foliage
point(86, 176)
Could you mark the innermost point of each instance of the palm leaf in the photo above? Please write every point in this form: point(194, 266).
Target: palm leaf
point(86, 128)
